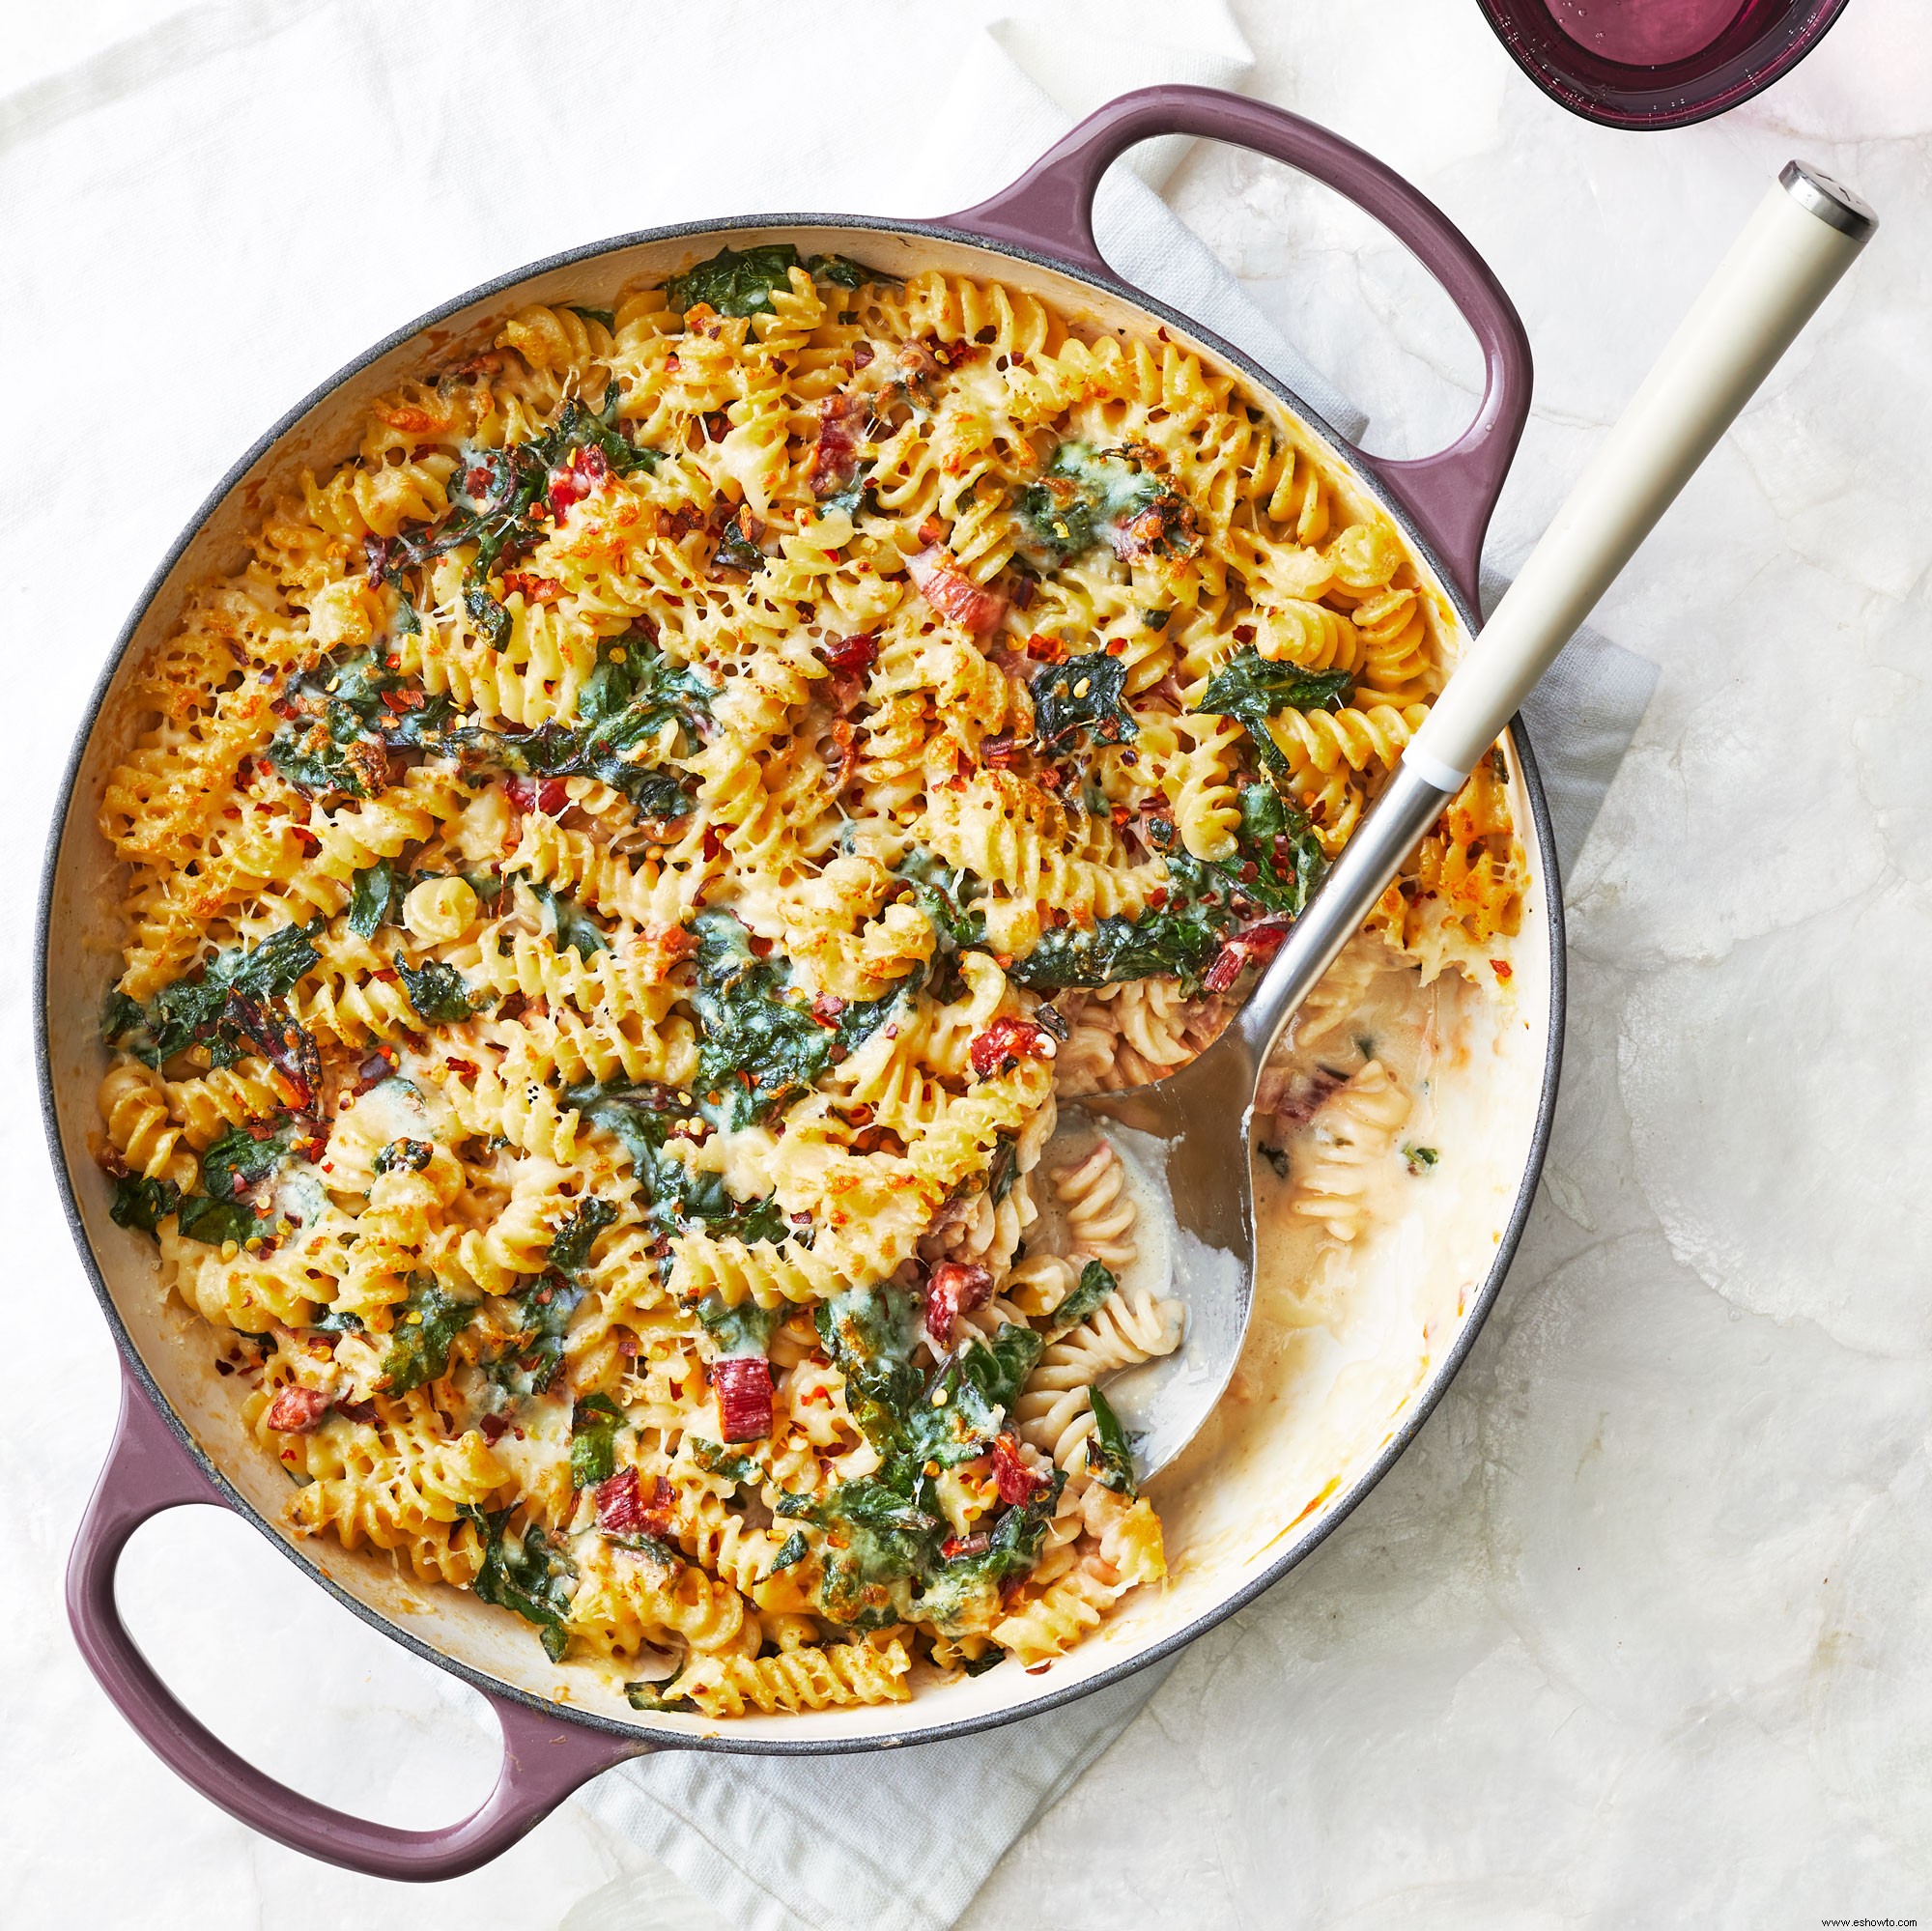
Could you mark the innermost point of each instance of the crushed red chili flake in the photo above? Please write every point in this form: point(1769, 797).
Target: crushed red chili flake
point(584, 472)
point(1006, 1042)
point(716, 425)
point(1501, 969)
point(307, 840)
point(861, 354)
point(534, 589)
point(1045, 649)
point(1018, 1480)
point(956, 1545)
point(713, 843)
point(953, 1287)
point(1244, 633)
point(463, 1068)
point(1000, 750)
point(826, 1009)
point(743, 1384)
point(493, 1429)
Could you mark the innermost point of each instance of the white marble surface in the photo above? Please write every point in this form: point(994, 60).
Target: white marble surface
point(1636, 1634)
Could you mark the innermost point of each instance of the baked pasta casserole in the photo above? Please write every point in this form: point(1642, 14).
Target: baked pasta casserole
point(615, 882)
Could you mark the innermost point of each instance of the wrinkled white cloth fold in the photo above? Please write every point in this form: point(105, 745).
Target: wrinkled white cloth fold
point(145, 158)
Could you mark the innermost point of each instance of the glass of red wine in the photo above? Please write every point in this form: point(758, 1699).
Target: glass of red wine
point(1658, 63)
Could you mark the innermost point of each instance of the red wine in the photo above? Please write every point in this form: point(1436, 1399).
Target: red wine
point(1648, 33)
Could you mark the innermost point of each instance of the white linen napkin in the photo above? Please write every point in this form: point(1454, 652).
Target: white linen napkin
point(144, 158)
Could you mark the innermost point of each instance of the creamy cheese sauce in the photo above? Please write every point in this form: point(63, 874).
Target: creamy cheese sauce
point(1344, 1333)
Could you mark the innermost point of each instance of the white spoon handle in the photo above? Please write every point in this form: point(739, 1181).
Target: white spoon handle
point(1807, 230)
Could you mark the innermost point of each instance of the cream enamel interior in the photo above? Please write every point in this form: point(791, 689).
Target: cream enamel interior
point(1312, 1413)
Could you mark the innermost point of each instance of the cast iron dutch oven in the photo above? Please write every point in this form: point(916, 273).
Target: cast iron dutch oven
point(1232, 1529)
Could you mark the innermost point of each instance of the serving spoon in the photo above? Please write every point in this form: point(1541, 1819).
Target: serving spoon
point(1806, 234)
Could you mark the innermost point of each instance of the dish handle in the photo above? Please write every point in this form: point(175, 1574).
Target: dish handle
point(545, 1759)
point(1451, 495)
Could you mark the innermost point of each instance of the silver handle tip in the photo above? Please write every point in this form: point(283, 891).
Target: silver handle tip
point(1831, 201)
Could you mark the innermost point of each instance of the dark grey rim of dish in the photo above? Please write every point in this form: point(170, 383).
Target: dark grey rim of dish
point(1340, 1507)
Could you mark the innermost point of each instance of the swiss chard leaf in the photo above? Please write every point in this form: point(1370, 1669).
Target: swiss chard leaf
point(793, 1550)
point(1081, 700)
point(437, 991)
point(529, 1363)
point(956, 1419)
point(374, 900)
point(427, 1325)
point(1095, 1284)
point(191, 1011)
point(947, 897)
point(570, 1250)
point(625, 709)
point(845, 271)
point(677, 1197)
point(528, 1574)
point(756, 1045)
point(568, 925)
point(406, 1156)
point(960, 1594)
point(742, 281)
point(871, 1334)
point(715, 1459)
point(1181, 939)
point(593, 1442)
point(742, 1330)
point(143, 1203)
point(1251, 689)
point(218, 1221)
point(1109, 1458)
point(235, 1174)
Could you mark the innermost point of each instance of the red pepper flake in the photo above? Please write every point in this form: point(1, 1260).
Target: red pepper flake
point(1117, 647)
point(1045, 649)
point(825, 1009)
point(953, 1289)
point(1244, 633)
point(956, 1545)
point(1000, 752)
point(493, 1429)
point(1501, 969)
point(307, 840)
point(761, 948)
point(463, 1068)
point(1006, 1042)
point(535, 589)
point(1018, 1480)
point(713, 843)
point(299, 1411)
point(861, 354)
point(578, 478)
point(716, 425)
point(743, 1388)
